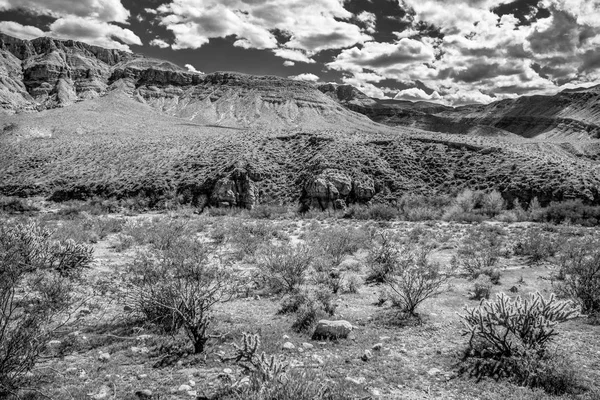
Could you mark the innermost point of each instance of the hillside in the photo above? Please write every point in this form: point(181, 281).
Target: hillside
point(114, 124)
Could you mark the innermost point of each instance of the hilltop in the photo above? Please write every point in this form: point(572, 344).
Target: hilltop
point(80, 121)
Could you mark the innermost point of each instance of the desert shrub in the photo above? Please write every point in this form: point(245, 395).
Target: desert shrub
point(382, 257)
point(159, 232)
point(573, 211)
point(479, 251)
point(535, 210)
point(35, 295)
point(537, 244)
point(351, 283)
point(179, 286)
point(16, 205)
point(268, 211)
point(414, 279)
point(509, 339)
point(327, 275)
point(337, 242)
point(492, 203)
point(308, 307)
point(579, 268)
point(284, 267)
point(482, 287)
point(415, 207)
point(378, 212)
point(245, 237)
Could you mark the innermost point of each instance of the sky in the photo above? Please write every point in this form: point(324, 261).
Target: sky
point(447, 51)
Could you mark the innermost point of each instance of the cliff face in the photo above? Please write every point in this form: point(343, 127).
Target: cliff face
point(47, 73)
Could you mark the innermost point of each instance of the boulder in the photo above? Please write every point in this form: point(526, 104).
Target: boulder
point(332, 330)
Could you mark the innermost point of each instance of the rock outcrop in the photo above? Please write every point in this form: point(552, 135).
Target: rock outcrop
point(336, 189)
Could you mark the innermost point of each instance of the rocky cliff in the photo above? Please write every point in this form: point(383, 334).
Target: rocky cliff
point(46, 73)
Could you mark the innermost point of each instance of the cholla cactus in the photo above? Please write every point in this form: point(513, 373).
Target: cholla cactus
point(263, 367)
point(511, 327)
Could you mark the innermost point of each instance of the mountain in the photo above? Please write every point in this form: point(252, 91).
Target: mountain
point(81, 121)
point(568, 115)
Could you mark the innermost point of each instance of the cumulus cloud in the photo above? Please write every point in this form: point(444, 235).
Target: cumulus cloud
point(313, 28)
point(159, 43)
point(293, 55)
point(305, 77)
point(84, 20)
point(369, 20)
point(20, 31)
point(94, 32)
point(191, 68)
point(288, 63)
point(100, 10)
point(416, 94)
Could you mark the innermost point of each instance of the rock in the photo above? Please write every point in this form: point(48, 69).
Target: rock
point(434, 372)
point(145, 394)
point(184, 388)
point(286, 337)
point(104, 357)
point(307, 346)
point(383, 338)
point(128, 309)
point(142, 350)
point(514, 289)
point(142, 376)
point(332, 329)
point(288, 346)
point(192, 383)
point(367, 355)
point(377, 347)
point(356, 381)
point(228, 371)
point(102, 394)
point(318, 359)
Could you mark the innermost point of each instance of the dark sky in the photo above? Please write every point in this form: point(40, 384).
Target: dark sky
point(449, 51)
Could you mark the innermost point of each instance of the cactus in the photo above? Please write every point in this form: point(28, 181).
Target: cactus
point(513, 327)
point(263, 367)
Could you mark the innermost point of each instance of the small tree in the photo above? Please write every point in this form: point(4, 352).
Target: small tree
point(35, 289)
point(580, 269)
point(382, 258)
point(181, 285)
point(479, 252)
point(414, 279)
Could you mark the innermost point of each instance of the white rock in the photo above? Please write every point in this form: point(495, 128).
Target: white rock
point(192, 383)
point(228, 371)
point(434, 371)
point(367, 355)
point(184, 388)
point(377, 346)
point(356, 381)
point(288, 346)
point(307, 346)
point(332, 329)
point(103, 357)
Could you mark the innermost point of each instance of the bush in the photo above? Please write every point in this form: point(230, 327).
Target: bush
point(509, 339)
point(492, 203)
point(378, 212)
point(336, 243)
point(422, 208)
point(284, 267)
point(414, 279)
point(382, 258)
point(180, 285)
point(573, 211)
point(16, 205)
point(309, 307)
point(35, 289)
point(479, 252)
point(481, 288)
point(579, 264)
point(536, 244)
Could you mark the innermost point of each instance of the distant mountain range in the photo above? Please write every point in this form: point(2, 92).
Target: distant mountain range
point(78, 121)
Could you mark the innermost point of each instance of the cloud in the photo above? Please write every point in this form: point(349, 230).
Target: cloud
point(293, 55)
point(191, 68)
point(314, 28)
point(416, 94)
point(100, 10)
point(288, 63)
point(94, 32)
point(375, 55)
point(369, 20)
point(20, 31)
point(305, 77)
point(159, 43)
point(83, 20)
